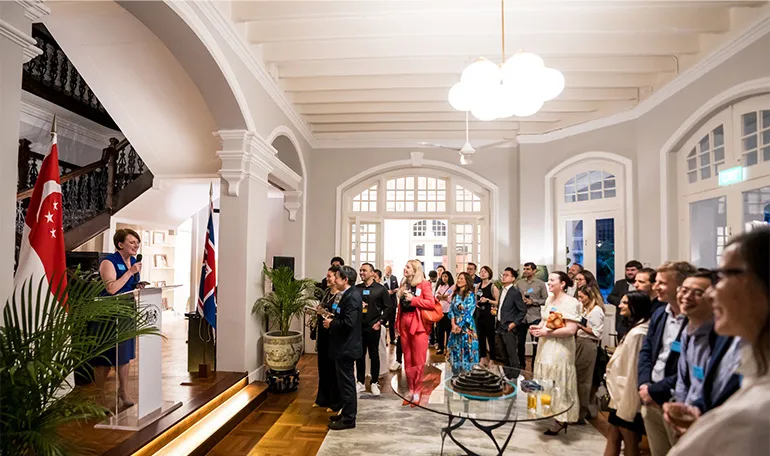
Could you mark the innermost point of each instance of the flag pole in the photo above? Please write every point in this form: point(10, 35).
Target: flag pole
point(53, 125)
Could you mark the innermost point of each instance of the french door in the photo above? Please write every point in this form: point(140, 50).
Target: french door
point(594, 240)
point(366, 240)
point(466, 241)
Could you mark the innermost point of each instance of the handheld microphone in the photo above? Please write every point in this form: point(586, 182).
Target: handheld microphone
point(138, 260)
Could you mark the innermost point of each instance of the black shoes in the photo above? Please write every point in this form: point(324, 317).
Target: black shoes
point(341, 425)
point(552, 432)
point(335, 418)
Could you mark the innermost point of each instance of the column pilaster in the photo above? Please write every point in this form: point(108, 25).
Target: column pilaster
point(246, 164)
point(16, 48)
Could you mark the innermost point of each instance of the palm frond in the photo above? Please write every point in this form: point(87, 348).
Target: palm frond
point(288, 299)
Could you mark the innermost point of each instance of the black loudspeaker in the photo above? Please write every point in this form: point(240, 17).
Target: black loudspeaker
point(279, 261)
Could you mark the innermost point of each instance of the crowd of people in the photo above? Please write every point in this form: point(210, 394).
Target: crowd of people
point(691, 360)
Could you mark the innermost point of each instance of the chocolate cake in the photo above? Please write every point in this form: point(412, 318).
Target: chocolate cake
point(478, 380)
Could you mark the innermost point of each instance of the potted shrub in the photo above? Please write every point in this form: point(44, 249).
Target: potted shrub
point(286, 302)
point(41, 344)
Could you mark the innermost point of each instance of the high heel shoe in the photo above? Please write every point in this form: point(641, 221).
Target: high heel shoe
point(415, 401)
point(561, 426)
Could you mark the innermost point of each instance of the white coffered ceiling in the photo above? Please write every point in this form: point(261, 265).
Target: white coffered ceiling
point(381, 70)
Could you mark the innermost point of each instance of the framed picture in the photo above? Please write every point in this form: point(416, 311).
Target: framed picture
point(160, 260)
point(145, 238)
point(160, 283)
point(158, 238)
point(164, 303)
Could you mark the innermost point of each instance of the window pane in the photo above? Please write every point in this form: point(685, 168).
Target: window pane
point(704, 144)
point(569, 189)
point(410, 206)
point(571, 181)
point(750, 143)
point(766, 119)
point(476, 206)
point(595, 176)
point(692, 153)
point(390, 206)
point(705, 159)
point(766, 138)
point(391, 184)
point(719, 154)
point(432, 206)
point(356, 206)
point(609, 193)
point(421, 206)
point(719, 136)
point(705, 173)
point(750, 159)
point(766, 154)
point(609, 183)
point(410, 183)
point(749, 123)
point(582, 196)
point(691, 164)
point(692, 177)
point(569, 198)
point(441, 207)
point(596, 185)
point(596, 195)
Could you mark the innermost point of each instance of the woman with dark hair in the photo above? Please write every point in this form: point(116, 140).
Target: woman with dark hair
point(463, 342)
point(625, 418)
point(741, 303)
point(487, 297)
point(328, 392)
point(586, 278)
point(443, 295)
point(120, 273)
point(556, 349)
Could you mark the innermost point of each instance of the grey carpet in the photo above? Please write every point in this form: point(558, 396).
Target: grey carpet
point(384, 427)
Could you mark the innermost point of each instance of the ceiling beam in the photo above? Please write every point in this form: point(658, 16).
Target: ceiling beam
point(429, 81)
point(487, 23)
point(440, 94)
point(525, 128)
point(507, 125)
point(470, 46)
point(444, 106)
point(455, 117)
point(455, 65)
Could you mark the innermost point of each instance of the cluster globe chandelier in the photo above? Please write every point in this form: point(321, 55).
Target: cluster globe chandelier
point(518, 87)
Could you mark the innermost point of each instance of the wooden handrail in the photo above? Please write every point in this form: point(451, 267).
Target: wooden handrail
point(61, 162)
point(115, 147)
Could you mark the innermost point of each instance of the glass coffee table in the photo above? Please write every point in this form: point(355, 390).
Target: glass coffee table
point(463, 398)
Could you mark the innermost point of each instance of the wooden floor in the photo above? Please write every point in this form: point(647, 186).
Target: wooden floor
point(178, 386)
point(289, 425)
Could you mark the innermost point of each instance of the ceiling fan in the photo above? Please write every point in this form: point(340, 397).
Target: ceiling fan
point(466, 151)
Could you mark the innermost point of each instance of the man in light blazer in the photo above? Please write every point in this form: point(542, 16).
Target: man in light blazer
point(510, 316)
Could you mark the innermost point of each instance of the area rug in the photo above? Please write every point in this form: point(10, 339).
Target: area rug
point(384, 427)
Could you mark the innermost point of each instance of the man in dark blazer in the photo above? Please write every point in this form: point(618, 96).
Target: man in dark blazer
point(621, 288)
point(391, 283)
point(345, 346)
point(510, 316)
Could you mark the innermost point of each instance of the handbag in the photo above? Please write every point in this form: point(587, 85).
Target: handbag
point(433, 315)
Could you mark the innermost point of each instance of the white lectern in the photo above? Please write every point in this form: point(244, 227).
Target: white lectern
point(150, 405)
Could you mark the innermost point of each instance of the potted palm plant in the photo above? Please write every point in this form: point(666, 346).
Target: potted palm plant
point(43, 342)
point(286, 302)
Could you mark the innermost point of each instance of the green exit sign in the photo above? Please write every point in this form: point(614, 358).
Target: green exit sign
point(730, 176)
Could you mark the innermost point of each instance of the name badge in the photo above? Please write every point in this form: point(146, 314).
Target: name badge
point(676, 346)
point(697, 372)
point(364, 307)
point(418, 292)
point(122, 267)
point(366, 292)
point(335, 308)
point(530, 290)
point(554, 309)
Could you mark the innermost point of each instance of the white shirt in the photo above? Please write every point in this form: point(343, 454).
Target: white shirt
point(670, 331)
point(595, 321)
point(502, 300)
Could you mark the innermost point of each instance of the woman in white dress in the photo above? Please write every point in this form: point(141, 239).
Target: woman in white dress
point(741, 305)
point(556, 349)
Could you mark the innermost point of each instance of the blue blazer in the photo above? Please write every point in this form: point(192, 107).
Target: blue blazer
point(708, 400)
point(661, 391)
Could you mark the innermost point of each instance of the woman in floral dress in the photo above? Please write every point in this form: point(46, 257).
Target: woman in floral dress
point(463, 341)
point(556, 349)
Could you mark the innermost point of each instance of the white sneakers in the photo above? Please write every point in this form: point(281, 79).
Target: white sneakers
point(375, 389)
point(395, 366)
point(360, 388)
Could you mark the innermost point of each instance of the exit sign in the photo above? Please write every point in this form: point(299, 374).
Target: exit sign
point(731, 176)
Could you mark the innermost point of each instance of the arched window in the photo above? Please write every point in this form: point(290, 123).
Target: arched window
point(419, 228)
point(590, 185)
point(707, 157)
point(466, 200)
point(755, 137)
point(366, 201)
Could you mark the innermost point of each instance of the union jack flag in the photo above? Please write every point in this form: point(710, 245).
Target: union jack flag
point(207, 296)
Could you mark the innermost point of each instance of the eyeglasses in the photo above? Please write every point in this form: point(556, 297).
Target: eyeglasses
point(697, 292)
point(721, 273)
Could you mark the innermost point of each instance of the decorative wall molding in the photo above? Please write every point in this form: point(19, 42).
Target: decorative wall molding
point(41, 118)
point(291, 202)
point(630, 210)
point(685, 130)
point(21, 39)
point(494, 195)
point(417, 159)
point(34, 10)
point(747, 37)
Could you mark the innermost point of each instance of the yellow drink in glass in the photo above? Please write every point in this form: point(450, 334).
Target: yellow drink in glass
point(545, 399)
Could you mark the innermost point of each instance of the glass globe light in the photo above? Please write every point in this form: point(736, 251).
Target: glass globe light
point(527, 106)
point(459, 98)
point(551, 84)
point(485, 106)
point(522, 64)
point(479, 75)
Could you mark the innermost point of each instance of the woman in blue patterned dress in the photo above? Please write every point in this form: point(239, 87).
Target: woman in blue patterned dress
point(120, 273)
point(463, 341)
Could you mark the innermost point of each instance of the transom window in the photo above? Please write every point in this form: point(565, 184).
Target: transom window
point(755, 137)
point(590, 185)
point(366, 201)
point(707, 157)
point(423, 194)
point(420, 228)
point(466, 200)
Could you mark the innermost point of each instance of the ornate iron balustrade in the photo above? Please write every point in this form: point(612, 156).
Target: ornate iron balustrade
point(53, 77)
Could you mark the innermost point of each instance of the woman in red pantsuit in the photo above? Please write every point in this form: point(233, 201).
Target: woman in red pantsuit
point(415, 293)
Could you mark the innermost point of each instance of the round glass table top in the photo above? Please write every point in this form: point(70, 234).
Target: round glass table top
point(484, 394)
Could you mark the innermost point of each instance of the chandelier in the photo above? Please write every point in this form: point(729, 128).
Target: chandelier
point(517, 87)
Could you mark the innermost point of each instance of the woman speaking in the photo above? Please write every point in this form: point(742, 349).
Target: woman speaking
point(120, 273)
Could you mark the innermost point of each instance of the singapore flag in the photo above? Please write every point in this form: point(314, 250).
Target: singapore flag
point(42, 246)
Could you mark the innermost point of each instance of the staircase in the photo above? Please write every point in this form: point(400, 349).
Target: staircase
point(90, 194)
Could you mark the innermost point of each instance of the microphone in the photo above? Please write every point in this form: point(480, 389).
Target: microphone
point(138, 260)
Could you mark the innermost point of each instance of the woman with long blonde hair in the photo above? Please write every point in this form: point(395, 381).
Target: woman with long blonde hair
point(415, 293)
point(589, 336)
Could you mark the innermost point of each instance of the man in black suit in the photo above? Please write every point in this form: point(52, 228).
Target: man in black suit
point(345, 346)
point(510, 316)
point(391, 283)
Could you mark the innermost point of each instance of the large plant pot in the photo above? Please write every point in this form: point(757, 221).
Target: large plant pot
point(282, 352)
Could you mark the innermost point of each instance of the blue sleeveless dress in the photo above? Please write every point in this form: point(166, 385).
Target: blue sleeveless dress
point(126, 350)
